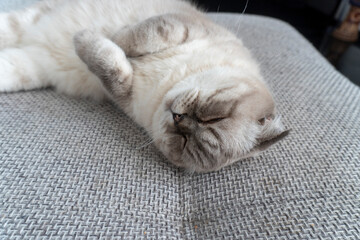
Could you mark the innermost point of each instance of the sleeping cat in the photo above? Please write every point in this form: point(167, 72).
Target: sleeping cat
point(189, 82)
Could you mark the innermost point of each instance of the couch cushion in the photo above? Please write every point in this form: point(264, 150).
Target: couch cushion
point(74, 168)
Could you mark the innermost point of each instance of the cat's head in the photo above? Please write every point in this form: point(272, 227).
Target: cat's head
point(215, 118)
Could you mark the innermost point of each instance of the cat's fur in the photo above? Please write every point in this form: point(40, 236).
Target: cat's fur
point(189, 82)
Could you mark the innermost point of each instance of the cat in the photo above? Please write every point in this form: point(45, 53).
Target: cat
point(190, 83)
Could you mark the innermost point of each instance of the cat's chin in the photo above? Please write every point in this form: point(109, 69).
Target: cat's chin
point(173, 148)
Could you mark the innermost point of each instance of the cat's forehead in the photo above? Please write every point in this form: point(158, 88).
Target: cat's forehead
point(228, 101)
point(216, 91)
point(222, 101)
point(218, 108)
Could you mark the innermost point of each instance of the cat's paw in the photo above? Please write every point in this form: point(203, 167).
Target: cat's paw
point(107, 61)
point(102, 56)
point(85, 44)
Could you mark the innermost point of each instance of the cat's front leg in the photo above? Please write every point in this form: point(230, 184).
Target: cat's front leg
point(108, 62)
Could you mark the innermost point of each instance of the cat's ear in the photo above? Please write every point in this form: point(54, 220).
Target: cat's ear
point(272, 131)
point(265, 144)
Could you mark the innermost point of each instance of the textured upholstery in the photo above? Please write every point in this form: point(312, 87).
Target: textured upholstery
point(71, 168)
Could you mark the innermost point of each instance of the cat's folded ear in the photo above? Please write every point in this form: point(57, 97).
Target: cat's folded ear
point(272, 131)
point(265, 144)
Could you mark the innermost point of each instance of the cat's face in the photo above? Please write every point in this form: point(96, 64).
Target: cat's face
point(214, 119)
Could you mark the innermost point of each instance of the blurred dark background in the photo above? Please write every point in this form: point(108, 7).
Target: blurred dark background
point(314, 19)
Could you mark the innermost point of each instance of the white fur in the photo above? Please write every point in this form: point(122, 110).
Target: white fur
point(51, 59)
point(53, 34)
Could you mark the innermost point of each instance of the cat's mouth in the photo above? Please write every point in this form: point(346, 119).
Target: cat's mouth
point(179, 138)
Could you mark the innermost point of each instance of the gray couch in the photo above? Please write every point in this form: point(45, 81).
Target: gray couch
point(71, 168)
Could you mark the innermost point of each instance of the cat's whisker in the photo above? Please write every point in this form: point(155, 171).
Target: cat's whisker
point(246, 5)
point(147, 140)
point(151, 133)
point(145, 144)
point(217, 11)
point(239, 18)
point(150, 141)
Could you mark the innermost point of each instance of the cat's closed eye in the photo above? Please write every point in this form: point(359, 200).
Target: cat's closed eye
point(179, 117)
point(210, 121)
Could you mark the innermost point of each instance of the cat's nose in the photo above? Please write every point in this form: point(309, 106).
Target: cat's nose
point(178, 117)
point(183, 123)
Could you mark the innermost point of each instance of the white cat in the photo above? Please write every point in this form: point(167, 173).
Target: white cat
point(189, 82)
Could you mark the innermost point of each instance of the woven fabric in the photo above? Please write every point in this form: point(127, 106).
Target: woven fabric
point(73, 169)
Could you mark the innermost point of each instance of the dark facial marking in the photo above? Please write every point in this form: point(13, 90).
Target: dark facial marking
point(207, 154)
point(211, 121)
point(216, 110)
point(215, 134)
point(189, 152)
point(211, 145)
point(217, 92)
point(199, 158)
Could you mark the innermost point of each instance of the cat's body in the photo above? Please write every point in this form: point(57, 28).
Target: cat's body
point(190, 83)
point(49, 27)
